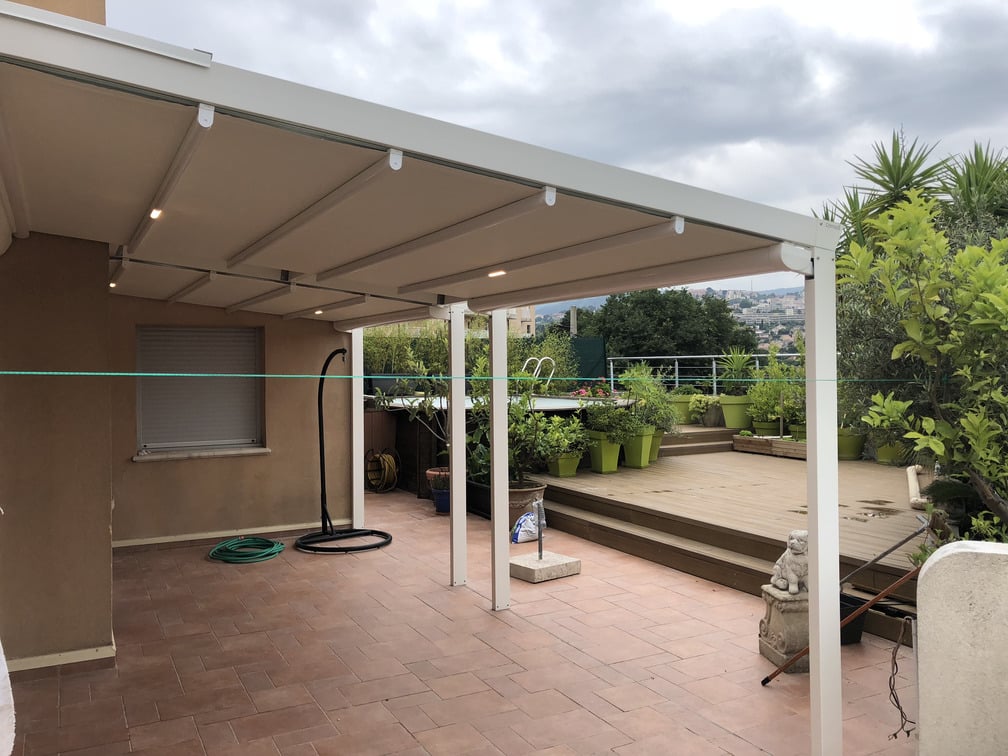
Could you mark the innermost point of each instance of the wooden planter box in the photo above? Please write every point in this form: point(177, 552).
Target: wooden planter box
point(776, 447)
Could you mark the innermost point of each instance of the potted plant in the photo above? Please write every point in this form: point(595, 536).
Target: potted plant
point(441, 492)
point(652, 405)
point(736, 367)
point(680, 397)
point(706, 408)
point(609, 427)
point(766, 406)
point(794, 408)
point(887, 420)
point(565, 442)
point(850, 429)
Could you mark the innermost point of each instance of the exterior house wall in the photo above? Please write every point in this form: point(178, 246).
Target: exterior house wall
point(55, 541)
point(191, 498)
point(88, 10)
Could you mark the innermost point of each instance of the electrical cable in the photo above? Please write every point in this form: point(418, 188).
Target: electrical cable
point(245, 550)
point(313, 542)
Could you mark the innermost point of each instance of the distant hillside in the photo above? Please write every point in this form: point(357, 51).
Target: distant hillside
point(590, 303)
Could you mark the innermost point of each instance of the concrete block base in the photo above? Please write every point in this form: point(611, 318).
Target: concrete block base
point(784, 629)
point(531, 569)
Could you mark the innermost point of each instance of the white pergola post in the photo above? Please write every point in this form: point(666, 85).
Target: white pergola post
point(825, 684)
point(357, 426)
point(499, 562)
point(456, 441)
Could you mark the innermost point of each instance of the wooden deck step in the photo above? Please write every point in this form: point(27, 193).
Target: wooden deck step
point(698, 447)
point(721, 565)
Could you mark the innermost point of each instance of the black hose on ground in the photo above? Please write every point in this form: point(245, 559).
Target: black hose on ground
point(315, 542)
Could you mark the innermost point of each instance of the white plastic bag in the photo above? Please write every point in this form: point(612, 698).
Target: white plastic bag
point(526, 528)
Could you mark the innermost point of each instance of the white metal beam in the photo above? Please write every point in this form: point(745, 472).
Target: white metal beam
point(199, 283)
point(500, 568)
point(201, 123)
point(391, 161)
point(357, 427)
point(613, 242)
point(825, 685)
point(337, 305)
point(456, 441)
point(282, 291)
point(489, 219)
point(397, 316)
point(743, 263)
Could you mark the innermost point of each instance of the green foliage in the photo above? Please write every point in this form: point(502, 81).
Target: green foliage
point(555, 345)
point(887, 419)
point(700, 403)
point(618, 423)
point(564, 435)
point(651, 402)
point(670, 322)
point(898, 170)
point(778, 390)
point(736, 371)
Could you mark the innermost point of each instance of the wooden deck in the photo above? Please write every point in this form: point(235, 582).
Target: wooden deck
point(766, 496)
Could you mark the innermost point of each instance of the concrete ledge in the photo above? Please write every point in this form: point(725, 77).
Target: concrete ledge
point(532, 569)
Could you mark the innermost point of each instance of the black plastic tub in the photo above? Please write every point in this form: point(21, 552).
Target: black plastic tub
point(852, 632)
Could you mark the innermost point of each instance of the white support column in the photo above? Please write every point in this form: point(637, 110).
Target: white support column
point(357, 426)
point(456, 441)
point(499, 557)
point(825, 684)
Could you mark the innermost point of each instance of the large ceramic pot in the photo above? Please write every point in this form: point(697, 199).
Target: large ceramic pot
point(850, 444)
point(637, 449)
point(520, 499)
point(734, 410)
point(656, 444)
point(564, 466)
point(712, 417)
point(604, 453)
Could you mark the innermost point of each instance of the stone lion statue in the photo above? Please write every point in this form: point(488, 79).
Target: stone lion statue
point(790, 572)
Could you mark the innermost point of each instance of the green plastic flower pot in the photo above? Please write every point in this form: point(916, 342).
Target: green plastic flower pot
point(564, 466)
point(637, 449)
point(889, 454)
point(604, 453)
point(656, 443)
point(734, 410)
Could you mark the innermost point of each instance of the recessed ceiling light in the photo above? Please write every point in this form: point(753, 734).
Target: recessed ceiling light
point(496, 273)
point(318, 312)
point(112, 284)
point(155, 213)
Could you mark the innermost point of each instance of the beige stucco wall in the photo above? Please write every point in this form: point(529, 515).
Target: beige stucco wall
point(55, 545)
point(194, 497)
point(89, 10)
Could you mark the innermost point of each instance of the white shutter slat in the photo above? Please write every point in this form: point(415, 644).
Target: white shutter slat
point(182, 412)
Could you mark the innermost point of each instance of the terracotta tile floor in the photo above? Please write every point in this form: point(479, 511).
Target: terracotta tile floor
point(373, 654)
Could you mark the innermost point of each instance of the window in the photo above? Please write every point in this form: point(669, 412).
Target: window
point(202, 412)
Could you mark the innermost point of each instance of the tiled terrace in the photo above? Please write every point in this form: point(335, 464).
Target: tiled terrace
point(373, 654)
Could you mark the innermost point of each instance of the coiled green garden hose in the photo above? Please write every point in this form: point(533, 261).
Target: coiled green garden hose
point(245, 550)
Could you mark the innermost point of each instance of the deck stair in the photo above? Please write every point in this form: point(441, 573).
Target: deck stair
point(696, 439)
point(721, 554)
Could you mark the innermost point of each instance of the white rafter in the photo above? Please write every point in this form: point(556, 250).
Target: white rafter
point(196, 285)
point(187, 148)
point(489, 219)
point(350, 302)
point(282, 291)
point(553, 255)
point(391, 161)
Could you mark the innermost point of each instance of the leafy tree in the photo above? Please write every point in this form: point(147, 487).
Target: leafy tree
point(587, 323)
point(952, 311)
point(654, 322)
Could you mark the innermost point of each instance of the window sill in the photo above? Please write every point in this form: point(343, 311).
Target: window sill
point(164, 456)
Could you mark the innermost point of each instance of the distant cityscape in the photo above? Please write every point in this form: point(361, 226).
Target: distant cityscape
point(775, 315)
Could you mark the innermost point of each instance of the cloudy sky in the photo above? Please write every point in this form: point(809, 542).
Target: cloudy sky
point(762, 100)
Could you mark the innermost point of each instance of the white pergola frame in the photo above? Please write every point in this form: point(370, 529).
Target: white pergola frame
point(77, 51)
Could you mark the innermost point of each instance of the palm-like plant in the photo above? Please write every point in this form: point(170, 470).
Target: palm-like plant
point(897, 170)
point(977, 183)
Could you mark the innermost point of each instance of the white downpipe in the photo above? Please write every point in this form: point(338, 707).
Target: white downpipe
point(500, 567)
point(825, 684)
point(357, 426)
point(456, 441)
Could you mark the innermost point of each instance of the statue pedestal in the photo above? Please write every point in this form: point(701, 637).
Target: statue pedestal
point(783, 631)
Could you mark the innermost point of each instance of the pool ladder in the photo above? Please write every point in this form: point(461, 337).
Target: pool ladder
point(539, 362)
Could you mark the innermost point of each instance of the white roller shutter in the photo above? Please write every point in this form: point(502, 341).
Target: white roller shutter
point(175, 412)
